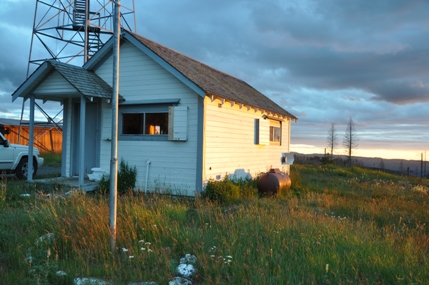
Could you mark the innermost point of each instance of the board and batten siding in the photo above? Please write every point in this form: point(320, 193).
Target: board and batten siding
point(171, 165)
point(230, 147)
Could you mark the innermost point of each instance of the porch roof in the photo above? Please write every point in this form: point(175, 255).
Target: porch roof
point(84, 82)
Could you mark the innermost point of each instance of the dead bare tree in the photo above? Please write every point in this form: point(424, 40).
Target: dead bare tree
point(332, 139)
point(350, 140)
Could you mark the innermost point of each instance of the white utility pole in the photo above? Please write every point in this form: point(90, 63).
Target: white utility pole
point(114, 150)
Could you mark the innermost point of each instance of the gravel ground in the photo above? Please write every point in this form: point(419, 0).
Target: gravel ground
point(47, 169)
point(44, 170)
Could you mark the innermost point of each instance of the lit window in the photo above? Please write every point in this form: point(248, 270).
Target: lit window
point(152, 120)
point(156, 124)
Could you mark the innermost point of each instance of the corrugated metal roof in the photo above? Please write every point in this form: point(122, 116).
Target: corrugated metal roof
point(213, 81)
point(9, 122)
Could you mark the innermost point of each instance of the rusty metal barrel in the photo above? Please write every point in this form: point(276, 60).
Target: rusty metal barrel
point(273, 181)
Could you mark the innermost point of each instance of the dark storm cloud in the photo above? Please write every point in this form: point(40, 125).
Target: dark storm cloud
point(375, 46)
point(15, 25)
point(379, 48)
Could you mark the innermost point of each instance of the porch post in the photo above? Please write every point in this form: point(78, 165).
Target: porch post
point(82, 140)
point(31, 140)
point(67, 104)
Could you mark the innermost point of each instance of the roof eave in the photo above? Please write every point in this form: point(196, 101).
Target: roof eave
point(263, 110)
point(32, 82)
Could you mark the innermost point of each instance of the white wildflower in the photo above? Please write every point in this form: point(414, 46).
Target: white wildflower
point(124, 249)
point(93, 281)
point(186, 270)
point(48, 238)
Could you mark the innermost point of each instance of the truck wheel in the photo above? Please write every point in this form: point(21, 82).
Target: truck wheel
point(22, 169)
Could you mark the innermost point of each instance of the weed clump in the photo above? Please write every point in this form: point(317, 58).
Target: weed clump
point(127, 177)
point(229, 191)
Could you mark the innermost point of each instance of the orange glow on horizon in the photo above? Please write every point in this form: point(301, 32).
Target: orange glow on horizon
point(381, 153)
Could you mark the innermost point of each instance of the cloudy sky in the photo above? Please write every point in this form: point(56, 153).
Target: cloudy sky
point(323, 61)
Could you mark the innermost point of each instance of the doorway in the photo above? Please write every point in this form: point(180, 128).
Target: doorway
point(92, 137)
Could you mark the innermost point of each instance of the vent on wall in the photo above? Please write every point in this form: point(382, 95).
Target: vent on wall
point(287, 158)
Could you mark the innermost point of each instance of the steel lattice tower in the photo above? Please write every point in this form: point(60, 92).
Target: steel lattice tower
point(74, 30)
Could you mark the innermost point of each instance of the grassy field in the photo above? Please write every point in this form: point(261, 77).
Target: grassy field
point(334, 226)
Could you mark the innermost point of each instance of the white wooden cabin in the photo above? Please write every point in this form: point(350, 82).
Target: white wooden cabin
point(181, 122)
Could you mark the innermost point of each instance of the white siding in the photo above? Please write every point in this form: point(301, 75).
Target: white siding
point(68, 126)
point(230, 146)
point(55, 84)
point(173, 165)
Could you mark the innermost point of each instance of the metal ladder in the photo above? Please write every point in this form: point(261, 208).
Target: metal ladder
point(81, 14)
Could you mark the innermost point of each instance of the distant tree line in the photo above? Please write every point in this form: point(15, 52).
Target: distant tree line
point(321, 160)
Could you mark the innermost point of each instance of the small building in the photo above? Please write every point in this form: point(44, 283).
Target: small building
point(47, 136)
point(180, 122)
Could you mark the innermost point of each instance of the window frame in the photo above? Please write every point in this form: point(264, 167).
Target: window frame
point(143, 108)
point(275, 124)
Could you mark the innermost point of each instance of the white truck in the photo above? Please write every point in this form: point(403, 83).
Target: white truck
point(14, 158)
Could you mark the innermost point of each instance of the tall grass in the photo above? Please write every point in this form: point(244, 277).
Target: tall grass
point(335, 226)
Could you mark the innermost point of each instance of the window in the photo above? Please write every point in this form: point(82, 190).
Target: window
point(267, 132)
point(275, 132)
point(145, 124)
point(132, 124)
point(159, 120)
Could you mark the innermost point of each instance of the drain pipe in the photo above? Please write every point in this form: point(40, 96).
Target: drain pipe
point(147, 175)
